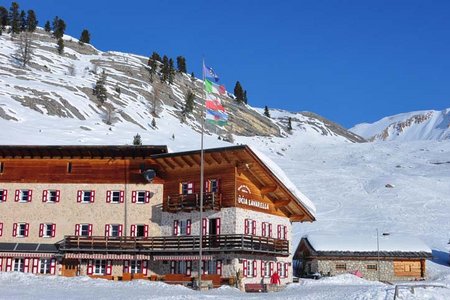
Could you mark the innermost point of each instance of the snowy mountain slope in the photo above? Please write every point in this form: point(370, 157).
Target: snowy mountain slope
point(59, 88)
point(419, 125)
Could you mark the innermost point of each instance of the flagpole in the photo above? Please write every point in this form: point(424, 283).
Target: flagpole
point(200, 252)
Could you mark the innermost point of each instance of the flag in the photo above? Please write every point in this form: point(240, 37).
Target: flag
point(213, 88)
point(209, 72)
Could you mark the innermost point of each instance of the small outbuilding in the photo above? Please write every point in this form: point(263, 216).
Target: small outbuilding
point(387, 258)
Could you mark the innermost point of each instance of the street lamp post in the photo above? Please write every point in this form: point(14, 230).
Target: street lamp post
point(378, 255)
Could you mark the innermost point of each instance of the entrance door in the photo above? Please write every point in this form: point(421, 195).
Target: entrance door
point(214, 232)
point(70, 268)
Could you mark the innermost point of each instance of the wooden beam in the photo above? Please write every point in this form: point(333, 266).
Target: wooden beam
point(168, 163)
point(216, 158)
point(281, 203)
point(268, 189)
point(225, 157)
point(205, 158)
point(186, 161)
point(195, 158)
point(297, 218)
point(176, 161)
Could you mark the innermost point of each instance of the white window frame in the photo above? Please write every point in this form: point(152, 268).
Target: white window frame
point(182, 227)
point(45, 266)
point(99, 267)
point(136, 266)
point(139, 226)
point(47, 227)
point(141, 197)
point(19, 264)
point(22, 199)
point(266, 269)
point(111, 230)
point(181, 267)
point(21, 227)
point(52, 196)
point(187, 188)
point(3, 193)
point(115, 197)
point(84, 196)
point(81, 229)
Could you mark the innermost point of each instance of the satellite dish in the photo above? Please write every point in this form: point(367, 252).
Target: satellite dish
point(149, 175)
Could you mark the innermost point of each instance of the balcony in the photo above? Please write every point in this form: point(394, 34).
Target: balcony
point(191, 202)
point(176, 244)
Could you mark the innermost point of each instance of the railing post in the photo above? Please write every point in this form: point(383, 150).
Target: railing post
point(213, 202)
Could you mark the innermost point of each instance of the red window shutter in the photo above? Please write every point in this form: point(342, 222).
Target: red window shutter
point(8, 264)
point(270, 229)
point(204, 226)
point(77, 229)
point(17, 195)
point(188, 267)
point(147, 197)
point(207, 186)
point(107, 226)
point(53, 266)
point(246, 226)
point(278, 268)
point(30, 195)
point(286, 269)
point(218, 267)
point(1, 264)
point(279, 232)
point(120, 229)
point(79, 194)
point(41, 230)
point(218, 226)
point(1, 230)
point(90, 230)
point(255, 270)
point(133, 230)
point(53, 230)
point(190, 188)
point(58, 193)
point(253, 227)
point(188, 227)
point(263, 268)
point(92, 196)
point(264, 229)
point(44, 195)
point(15, 229)
point(35, 267)
point(108, 196)
point(90, 267)
point(172, 267)
point(108, 267)
point(146, 230)
point(5, 195)
point(26, 265)
point(122, 196)
point(284, 232)
point(145, 267)
point(27, 227)
point(126, 266)
point(133, 196)
point(175, 227)
point(244, 268)
point(271, 268)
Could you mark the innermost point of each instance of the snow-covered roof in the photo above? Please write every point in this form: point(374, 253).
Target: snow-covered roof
point(366, 243)
point(279, 173)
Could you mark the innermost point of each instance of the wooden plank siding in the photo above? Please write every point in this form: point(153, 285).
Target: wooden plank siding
point(83, 170)
point(405, 268)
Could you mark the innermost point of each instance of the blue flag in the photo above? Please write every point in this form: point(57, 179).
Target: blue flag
point(209, 72)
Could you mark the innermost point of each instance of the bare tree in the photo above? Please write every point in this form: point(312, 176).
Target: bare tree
point(24, 48)
point(71, 70)
point(110, 114)
point(154, 102)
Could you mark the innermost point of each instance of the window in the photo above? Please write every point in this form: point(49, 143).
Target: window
point(212, 186)
point(140, 197)
point(45, 266)
point(341, 267)
point(114, 196)
point(113, 230)
point(47, 230)
point(249, 268)
point(212, 267)
point(284, 270)
point(250, 226)
point(19, 265)
point(139, 230)
point(85, 196)
point(50, 196)
point(83, 229)
point(186, 188)
point(265, 269)
point(20, 229)
point(371, 267)
point(181, 267)
point(99, 267)
point(281, 232)
point(69, 167)
point(23, 196)
point(3, 195)
point(136, 266)
point(182, 227)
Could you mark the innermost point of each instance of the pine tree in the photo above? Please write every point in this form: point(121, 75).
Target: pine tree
point(289, 126)
point(14, 18)
point(266, 111)
point(137, 140)
point(171, 72)
point(59, 27)
point(55, 23)
point(181, 64)
point(47, 26)
point(4, 20)
point(239, 92)
point(60, 46)
point(153, 65)
point(192, 76)
point(245, 96)
point(189, 102)
point(100, 89)
point(85, 37)
point(155, 56)
point(31, 21)
point(165, 69)
point(23, 21)
point(153, 123)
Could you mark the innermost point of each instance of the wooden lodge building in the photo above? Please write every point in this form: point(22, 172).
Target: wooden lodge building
point(133, 212)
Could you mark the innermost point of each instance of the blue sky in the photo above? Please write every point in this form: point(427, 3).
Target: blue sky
point(349, 60)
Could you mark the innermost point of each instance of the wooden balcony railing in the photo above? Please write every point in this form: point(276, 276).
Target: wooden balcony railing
point(175, 244)
point(190, 202)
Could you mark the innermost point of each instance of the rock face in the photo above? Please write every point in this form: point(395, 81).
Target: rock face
point(60, 87)
point(422, 125)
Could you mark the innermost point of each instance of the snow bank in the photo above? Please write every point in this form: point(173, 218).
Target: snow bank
point(279, 173)
point(363, 243)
